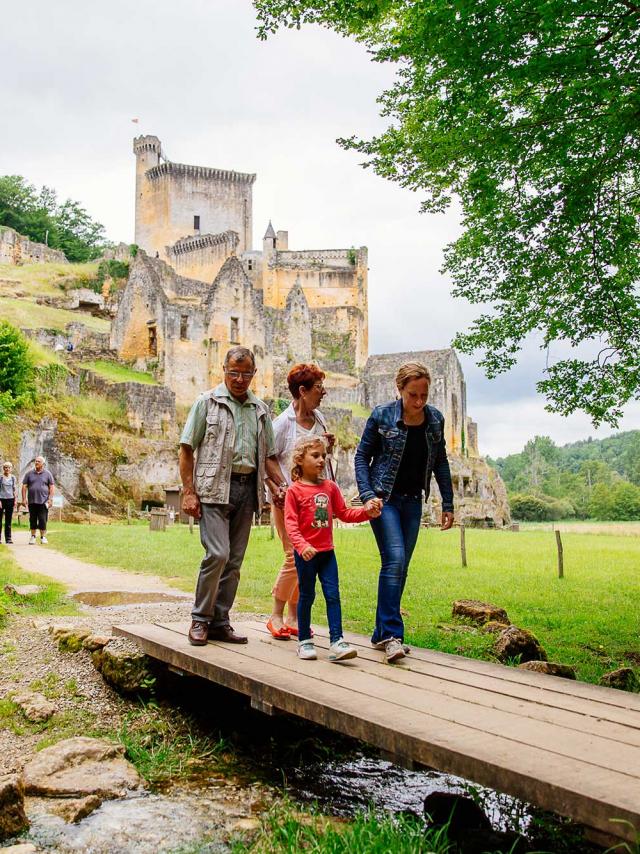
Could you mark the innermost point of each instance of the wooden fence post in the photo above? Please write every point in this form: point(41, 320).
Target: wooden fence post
point(191, 524)
point(128, 512)
point(89, 514)
point(463, 544)
point(560, 555)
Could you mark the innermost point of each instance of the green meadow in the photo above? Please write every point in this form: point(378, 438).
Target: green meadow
point(590, 618)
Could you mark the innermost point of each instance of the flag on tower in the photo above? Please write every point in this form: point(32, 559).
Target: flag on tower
point(135, 121)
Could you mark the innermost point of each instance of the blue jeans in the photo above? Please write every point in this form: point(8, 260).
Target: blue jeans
point(396, 532)
point(325, 567)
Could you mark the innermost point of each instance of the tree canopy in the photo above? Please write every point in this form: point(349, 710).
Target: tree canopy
point(528, 112)
point(16, 368)
point(40, 217)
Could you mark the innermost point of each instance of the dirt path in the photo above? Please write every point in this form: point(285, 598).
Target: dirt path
point(79, 576)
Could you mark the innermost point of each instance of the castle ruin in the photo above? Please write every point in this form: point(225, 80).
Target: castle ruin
point(197, 286)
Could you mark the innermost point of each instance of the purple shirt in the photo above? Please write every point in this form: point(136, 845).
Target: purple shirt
point(37, 484)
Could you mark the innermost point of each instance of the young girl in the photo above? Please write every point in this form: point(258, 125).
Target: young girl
point(310, 506)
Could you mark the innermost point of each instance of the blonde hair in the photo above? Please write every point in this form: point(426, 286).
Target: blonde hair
point(7, 464)
point(299, 453)
point(411, 371)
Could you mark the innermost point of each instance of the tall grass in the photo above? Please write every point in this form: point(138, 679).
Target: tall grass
point(119, 373)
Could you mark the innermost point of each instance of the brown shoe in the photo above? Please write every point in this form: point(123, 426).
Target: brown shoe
point(198, 633)
point(227, 634)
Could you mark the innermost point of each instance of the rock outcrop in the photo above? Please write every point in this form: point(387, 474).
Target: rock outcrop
point(624, 678)
point(124, 666)
point(479, 612)
point(35, 706)
point(13, 819)
point(551, 668)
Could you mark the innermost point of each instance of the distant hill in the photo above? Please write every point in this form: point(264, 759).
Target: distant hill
point(593, 478)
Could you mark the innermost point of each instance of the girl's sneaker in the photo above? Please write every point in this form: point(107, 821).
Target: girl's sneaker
point(307, 650)
point(341, 651)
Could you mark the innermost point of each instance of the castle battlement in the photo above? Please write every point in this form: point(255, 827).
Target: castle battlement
point(310, 255)
point(184, 170)
point(202, 241)
point(146, 143)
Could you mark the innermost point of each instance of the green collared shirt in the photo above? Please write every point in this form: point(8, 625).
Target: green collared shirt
point(245, 418)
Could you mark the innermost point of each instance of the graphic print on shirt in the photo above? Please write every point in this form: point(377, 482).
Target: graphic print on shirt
point(321, 515)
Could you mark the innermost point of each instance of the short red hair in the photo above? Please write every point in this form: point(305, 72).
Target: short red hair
point(303, 375)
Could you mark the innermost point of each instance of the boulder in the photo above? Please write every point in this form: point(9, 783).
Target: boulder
point(94, 642)
point(494, 627)
point(22, 591)
point(468, 826)
point(69, 638)
point(20, 848)
point(34, 705)
point(479, 612)
point(124, 666)
point(513, 642)
point(13, 819)
point(77, 767)
point(624, 678)
point(75, 809)
point(551, 668)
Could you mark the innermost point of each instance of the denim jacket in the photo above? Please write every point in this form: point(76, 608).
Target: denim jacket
point(380, 451)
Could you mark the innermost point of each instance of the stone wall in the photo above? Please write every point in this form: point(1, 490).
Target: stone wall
point(201, 256)
point(149, 408)
point(17, 249)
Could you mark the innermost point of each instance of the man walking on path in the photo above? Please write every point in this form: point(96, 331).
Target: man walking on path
point(38, 488)
point(231, 431)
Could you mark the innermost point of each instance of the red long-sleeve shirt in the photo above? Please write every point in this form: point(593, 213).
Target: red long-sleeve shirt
point(309, 510)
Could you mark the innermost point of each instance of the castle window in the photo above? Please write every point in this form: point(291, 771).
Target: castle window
point(196, 223)
point(184, 323)
point(250, 264)
point(234, 331)
point(153, 341)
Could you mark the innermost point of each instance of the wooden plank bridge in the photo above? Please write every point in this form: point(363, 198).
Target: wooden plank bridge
point(566, 746)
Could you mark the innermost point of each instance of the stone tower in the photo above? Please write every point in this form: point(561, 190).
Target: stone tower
point(175, 201)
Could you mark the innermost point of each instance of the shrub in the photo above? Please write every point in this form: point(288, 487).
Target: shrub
point(539, 508)
point(16, 368)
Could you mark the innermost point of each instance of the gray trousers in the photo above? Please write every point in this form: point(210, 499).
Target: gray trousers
point(224, 534)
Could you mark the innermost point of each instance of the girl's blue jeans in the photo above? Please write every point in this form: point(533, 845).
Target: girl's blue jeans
point(396, 532)
point(323, 566)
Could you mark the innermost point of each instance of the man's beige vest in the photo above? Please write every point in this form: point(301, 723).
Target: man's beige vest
point(215, 452)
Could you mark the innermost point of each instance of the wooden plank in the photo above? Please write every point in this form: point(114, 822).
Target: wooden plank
point(374, 685)
point(459, 663)
point(573, 787)
point(587, 717)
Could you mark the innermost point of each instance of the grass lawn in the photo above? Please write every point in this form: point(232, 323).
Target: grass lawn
point(41, 279)
point(590, 618)
point(118, 373)
point(26, 314)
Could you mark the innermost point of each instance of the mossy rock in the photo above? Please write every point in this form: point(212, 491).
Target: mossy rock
point(125, 667)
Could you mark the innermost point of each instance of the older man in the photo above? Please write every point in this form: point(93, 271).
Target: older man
point(38, 488)
point(230, 429)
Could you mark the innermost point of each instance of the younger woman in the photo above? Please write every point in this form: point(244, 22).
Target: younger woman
point(8, 499)
point(310, 506)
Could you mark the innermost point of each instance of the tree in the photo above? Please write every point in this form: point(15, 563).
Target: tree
point(527, 111)
point(40, 217)
point(16, 368)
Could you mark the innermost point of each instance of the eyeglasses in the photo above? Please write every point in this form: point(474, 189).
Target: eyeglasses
point(318, 386)
point(236, 375)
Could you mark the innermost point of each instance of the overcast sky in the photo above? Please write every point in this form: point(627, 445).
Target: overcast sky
point(74, 74)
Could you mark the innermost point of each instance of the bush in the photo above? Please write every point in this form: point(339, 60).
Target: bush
point(540, 508)
point(16, 368)
point(618, 503)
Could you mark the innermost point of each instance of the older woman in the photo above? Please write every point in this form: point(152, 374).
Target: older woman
point(8, 499)
point(300, 420)
point(402, 446)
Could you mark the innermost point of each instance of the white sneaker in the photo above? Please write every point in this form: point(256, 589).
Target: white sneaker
point(32, 540)
point(341, 651)
point(393, 651)
point(44, 540)
point(307, 650)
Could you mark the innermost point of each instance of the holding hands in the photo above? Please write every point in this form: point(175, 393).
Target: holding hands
point(374, 507)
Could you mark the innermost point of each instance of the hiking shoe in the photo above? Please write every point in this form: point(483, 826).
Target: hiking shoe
point(44, 541)
point(32, 540)
point(341, 651)
point(394, 651)
point(307, 650)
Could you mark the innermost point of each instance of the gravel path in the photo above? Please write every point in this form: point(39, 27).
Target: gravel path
point(78, 575)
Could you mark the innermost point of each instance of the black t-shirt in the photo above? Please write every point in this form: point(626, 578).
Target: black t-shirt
point(413, 465)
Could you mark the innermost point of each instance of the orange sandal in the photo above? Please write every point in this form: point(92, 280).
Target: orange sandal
point(280, 634)
point(293, 630)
